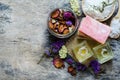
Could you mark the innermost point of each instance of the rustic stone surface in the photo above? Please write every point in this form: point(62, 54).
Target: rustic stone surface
point(22, 37)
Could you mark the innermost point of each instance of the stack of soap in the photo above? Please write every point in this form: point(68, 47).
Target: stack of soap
point(94, 29)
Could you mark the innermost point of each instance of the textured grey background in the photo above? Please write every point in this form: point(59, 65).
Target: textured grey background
point(22, 37)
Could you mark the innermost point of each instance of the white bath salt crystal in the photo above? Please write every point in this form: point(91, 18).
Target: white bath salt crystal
point(115, 27)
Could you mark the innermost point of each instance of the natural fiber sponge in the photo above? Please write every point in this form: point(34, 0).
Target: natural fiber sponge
point(95, 29)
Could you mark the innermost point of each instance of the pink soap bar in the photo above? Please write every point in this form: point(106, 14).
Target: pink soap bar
point(95, 29)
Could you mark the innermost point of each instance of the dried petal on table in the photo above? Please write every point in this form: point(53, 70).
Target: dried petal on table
point(58, 63)
point(72, 70)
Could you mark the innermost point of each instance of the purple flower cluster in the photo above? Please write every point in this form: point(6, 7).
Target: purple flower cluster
point(80, 67)
point(95, 66)
point(69, 61)
point(56, 46)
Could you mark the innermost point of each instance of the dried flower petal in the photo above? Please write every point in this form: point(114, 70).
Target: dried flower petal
point(47, 52)
point(72, 70)
point(61, 28)
point(50, 24)
point(95, 66)
point(55, 14)
point(58, 63)
point(66, 31)
point(68, 23)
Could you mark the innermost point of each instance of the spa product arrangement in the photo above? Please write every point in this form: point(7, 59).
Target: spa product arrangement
point(89, 47)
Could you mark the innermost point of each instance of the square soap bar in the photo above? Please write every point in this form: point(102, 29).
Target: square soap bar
point(103, 53)
point(82, 52)
point(94, 29)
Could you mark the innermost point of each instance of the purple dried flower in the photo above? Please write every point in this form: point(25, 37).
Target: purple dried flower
point(47, 52)
point(80, 66)
point(56, 46)
point(69, 60)
point(67, 15)
point(95, 66)
point(68, 23)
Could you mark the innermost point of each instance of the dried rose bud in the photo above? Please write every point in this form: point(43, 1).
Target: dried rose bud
point(67, 15)
point(72, 70)
point(58, 63)
point(55, 14)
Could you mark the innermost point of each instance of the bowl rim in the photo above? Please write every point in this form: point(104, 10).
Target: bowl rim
point(101, 20)
point(61, 35)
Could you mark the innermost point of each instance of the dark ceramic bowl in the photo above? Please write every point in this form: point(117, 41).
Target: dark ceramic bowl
point(63, 35)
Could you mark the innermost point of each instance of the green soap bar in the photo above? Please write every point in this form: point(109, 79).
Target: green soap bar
point(82, 51)
point(103, 53)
